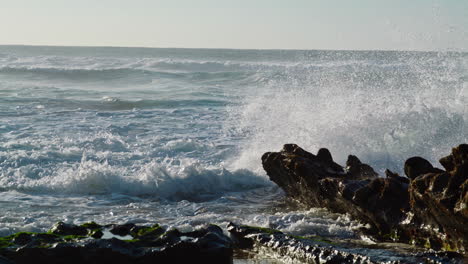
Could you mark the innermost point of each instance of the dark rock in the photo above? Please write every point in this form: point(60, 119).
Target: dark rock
point(417, 166)
point(358, 170)
point(46, 238)
point(391, 174)
point(208, 245)
point(295, 249)
point(91, 225)
point(64, 229)
point(96, 234)
point(358, 192)
point(439, 201)
point(122, 230)
point(447, 163)
point(352, 161)
point(147, 233)
point(171, 236)
point(324, 155)
point(22, 239)
point(395, 208)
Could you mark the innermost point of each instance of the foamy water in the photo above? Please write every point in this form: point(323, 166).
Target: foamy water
point(175, 136)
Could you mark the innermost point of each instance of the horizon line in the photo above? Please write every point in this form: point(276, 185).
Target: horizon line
point(246, 49)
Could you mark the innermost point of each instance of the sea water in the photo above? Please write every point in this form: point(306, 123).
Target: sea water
point(175, 136)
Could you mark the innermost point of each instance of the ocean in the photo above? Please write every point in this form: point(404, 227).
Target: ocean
point(175, 136)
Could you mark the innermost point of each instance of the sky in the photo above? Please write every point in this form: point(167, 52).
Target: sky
point(244, 24)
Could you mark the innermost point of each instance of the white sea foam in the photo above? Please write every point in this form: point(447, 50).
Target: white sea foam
point(170, 178)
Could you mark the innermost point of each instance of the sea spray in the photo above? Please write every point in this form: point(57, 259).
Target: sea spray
point(382, 110)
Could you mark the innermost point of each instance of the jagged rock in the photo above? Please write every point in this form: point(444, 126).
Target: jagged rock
point(96, 234)
point(122, 230)
point(416, 166)
point(391, 174)
point(148, 245)
point(358, 170)
point(293, 248)
point(62, 228)
point(323, 183)
point(395, 208)
point(447, 163)
point(313, 249)
point(325, 156)
point(439, 201)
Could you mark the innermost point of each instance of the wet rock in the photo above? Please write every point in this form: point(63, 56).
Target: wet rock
point(439, 201)
point(207, 245)
point(96, 234)
point(296, 249)
point(447, 163)
point(391, 174)
point(321, 183)
point(46, 238)
point(395, 208)
point(122, 230)
point(64, 229)
point(417, 166)
point(147, 233)
point(170, 237)
point(325, 156)
point(358, 170)
point(22, 238)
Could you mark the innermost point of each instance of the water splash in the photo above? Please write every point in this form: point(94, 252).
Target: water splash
point(384, 110)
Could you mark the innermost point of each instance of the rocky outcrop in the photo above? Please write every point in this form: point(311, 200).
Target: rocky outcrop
point(428, 208)
point(439, 201)
point(93, 243)
point(313, 249)
point(295, 249)
point(355, 189)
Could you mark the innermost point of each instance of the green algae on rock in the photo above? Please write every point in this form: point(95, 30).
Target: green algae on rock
point(67, 243)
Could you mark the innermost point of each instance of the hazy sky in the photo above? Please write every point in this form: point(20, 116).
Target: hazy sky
point(256, 24)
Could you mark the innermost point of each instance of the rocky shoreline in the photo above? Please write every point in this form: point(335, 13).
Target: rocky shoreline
point(425, 210)
point(129, 243)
